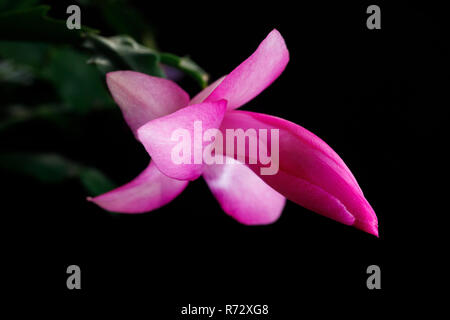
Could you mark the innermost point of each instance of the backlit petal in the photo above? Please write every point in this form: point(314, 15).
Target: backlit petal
point(143, 98)
point(148, 191)
point(310, 172)
point(163, 136)
point(254, 74)
point(242, 194)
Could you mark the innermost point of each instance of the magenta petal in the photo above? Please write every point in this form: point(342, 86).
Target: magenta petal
point(310, 196)
point(254, 74)
point(202, 95)
point(175, 142)
point(242, 194)
point(148, 191)
point(310, 172)
point(143, 98)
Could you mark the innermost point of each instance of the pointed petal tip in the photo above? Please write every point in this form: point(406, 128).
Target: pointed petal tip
point(255, 73)
point(150, 190)
point(369, 227)
point(280, 40)
point(373, 230)
point(274, 33)
point(96, 200)
point(376, 232)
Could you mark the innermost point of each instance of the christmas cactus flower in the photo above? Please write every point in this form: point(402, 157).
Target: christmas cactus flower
point(250, 185)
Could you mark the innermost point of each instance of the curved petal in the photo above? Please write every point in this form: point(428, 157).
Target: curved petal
point(143, 98)
point(148, 191)
point(202, 95)
point(242, 194)
point(310, 172)
point(254, 74)
point(175, 142)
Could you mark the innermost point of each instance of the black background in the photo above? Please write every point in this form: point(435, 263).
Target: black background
point(377, 97)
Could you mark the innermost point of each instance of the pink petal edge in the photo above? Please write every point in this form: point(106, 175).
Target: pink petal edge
point(143, 98)
point(255, 74)
point(202, 95)
point(150, 190)
point(310, 172)
point(156, 136)
point(242, 194)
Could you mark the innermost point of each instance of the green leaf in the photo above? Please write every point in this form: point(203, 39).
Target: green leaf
point(114, 53)
point(14, 73)
point(16, 114)
point(123, 18)
point(104, 65)
point(80, 86)
point(95, 182)
point(33, 24)
point(186, 65)
point(30, 54)
point(43, 167)
point(123, 52)
point(7, 5)
point(53, 168)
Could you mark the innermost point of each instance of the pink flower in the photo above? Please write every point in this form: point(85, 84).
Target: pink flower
point(310, 173)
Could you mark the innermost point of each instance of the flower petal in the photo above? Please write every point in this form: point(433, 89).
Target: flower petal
point(161, 138)
point(310, 172)
point(202, 95)
point(254, 74)
point(148, 191)
point(242, 194)
point(143, 98)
